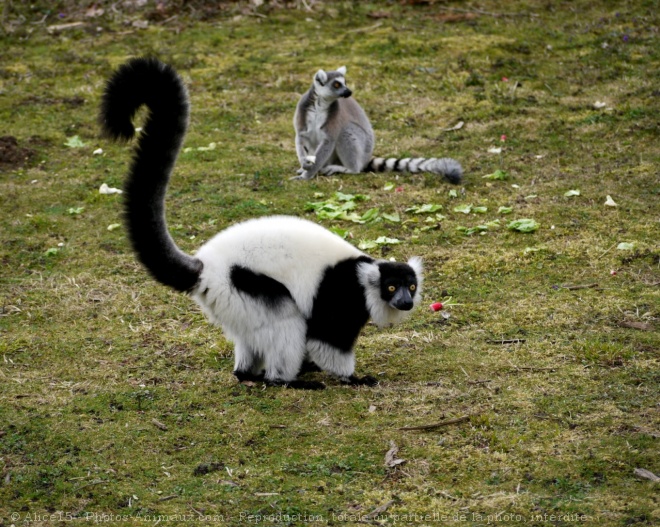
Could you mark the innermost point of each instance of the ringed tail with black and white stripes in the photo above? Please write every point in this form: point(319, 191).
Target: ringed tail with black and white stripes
point(447, 167)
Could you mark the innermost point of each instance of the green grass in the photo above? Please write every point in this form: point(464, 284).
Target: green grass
point(116, 396)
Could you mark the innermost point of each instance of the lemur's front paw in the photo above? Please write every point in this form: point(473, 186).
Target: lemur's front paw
point(303, 175)
point(308, 162)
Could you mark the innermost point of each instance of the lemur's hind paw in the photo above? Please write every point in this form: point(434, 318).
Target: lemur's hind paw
point(354, 380)
point(308, 367)
point(243, 376)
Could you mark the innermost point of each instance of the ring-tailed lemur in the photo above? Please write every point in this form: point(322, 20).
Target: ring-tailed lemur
point(290, 294)
point(334, 135)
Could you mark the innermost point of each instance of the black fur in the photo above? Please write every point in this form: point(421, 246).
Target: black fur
point(339, 311)
point(145, 81)
point(395, 274)
point(259, 286)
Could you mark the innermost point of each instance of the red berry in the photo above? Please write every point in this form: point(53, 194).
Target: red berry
point(437, 306)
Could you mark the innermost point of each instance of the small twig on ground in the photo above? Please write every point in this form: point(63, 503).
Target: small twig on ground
point(646, 474)
point(608, 250)
point(531, 368)
point(62, 27)
point(481, 12)
point(642, 326)
point(365, 29)
point(575, 287)
point(507, 341)
point(92, 483)
point(159, 425)
point(440, 424)
point(379, 510)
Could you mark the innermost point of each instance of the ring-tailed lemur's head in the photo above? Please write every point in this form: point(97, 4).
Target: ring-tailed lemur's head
point(392, 289)
point(331, 84)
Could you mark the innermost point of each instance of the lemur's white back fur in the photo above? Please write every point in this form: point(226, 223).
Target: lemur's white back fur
point(334, 135)
point(272, 246)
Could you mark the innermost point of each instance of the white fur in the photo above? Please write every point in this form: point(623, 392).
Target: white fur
point(342, 70)
point(272, 246)
point(316, 117)
point(330, 359)
point(321, 76)
point(257, 330)
point(416, 263)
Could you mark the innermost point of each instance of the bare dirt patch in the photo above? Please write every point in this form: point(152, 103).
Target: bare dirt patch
point(12, 155)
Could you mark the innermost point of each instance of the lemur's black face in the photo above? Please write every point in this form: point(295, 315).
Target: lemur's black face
point(398, 285)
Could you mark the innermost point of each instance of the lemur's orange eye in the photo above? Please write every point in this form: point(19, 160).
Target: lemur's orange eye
point(337, 85)
point(391, 289)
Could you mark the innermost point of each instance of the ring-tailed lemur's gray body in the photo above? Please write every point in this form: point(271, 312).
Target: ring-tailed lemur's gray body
point(334, 135)
point(286, 291)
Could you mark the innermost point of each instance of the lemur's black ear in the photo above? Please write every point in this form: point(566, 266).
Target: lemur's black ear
point(321, 77)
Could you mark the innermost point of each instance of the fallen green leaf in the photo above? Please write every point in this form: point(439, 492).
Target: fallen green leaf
point(340, 196)
point(570, 193)
point(367, 245)
point(499, 175)
point(469, 231)
point(370, 215)
point(465, 209)
point(424, 209)
point(381, 240)
point(384, 240)
point(74, 142)
point(343, 233)
point(523, 225)
point(625, 246)
point(505, 210)
point(394, 218)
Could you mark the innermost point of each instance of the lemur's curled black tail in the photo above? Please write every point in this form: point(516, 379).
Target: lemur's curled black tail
point(447, 167)
point(149, 82)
